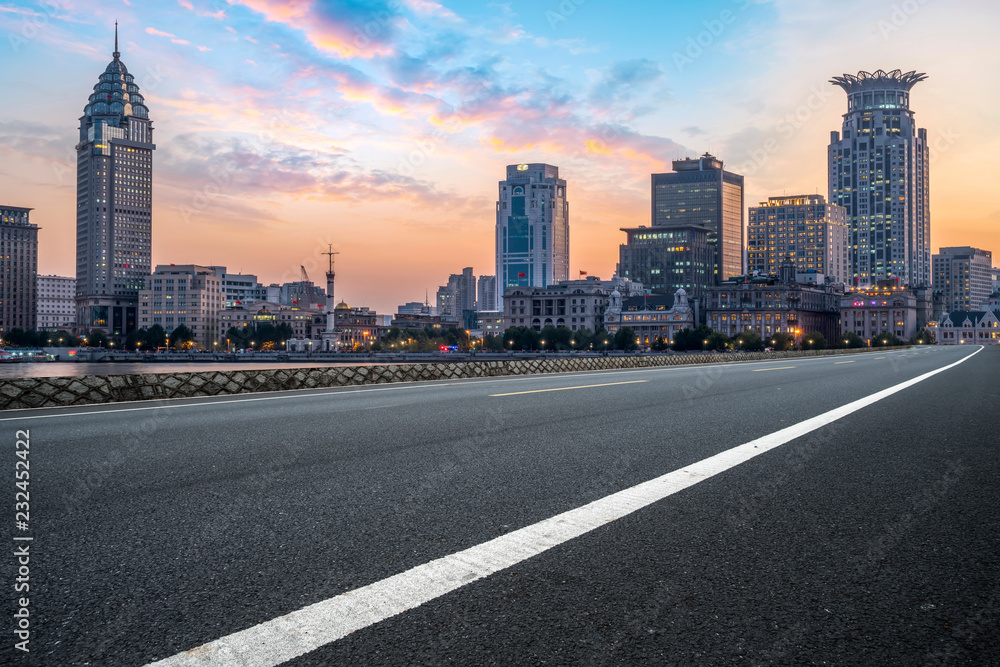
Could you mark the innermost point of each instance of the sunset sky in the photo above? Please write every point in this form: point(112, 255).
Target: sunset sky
point(383, 126)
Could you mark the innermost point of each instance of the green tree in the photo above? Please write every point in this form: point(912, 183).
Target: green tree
point(781, 341)
point(715, 341)
point(582, 338)
point(493, 343)
point(602, 339)
point(692, 339)
point(625, 339)
point(813, 341)
point(748, 340)
point(180, 335)
point(97, 338)
point(154, 338)
point(133, 341)
point(886, 339)
point(850, 340)
point(923, 337)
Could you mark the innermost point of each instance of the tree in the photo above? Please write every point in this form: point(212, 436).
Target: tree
point(923, 337)
point(715, 341)
point(133, 341)
point(582, 338)
point(97, 338)
point(625, 339)
point(886, 339)
point(692, 339)
point(660, 344)
point(602, 339)
point(781, 341)
point(521, 338)
point(493, 343)
point(155, 337)
point(850, 340)
point(813, 341)
point(748, 340)
point(181, 335)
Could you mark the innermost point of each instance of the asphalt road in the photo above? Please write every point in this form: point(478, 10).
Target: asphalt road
point(872, 540)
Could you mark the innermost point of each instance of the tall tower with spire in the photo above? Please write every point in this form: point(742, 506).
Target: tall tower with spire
point(114, 203)
point(879, 171)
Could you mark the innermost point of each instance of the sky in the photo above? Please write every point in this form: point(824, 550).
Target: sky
point(382, 127)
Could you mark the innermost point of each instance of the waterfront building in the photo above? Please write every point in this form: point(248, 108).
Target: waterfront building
point(186, 294)
point(651, 317)
point(18, 279)
point(885, 308)
point(358, 328)
point(964, 276)
point(813, 233)
point(114, 202)
point(56, 303)
point(458, 295)
point(700, 192)
point(767, 305)
point(665, 260)
point(879, 171)
point(306, 323)
point(532, 229)
point(416, 308)
point(240, 288)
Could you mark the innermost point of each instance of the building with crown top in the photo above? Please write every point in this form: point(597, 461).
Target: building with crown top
point(114, 202)
point(878, 171)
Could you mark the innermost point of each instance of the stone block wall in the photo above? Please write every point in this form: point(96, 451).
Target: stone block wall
point(93, 389)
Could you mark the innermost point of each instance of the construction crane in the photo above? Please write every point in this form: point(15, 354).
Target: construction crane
point(305, 276)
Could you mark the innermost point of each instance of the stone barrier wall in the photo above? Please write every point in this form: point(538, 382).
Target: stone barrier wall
point(91, 389)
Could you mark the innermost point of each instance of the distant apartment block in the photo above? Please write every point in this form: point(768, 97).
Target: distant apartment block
point(56, 303)
point(964, 275)
point(486, 294)
point(804, 227)
point(186, 294)
point(18, 279)
point(458, 295)
point(240, 288)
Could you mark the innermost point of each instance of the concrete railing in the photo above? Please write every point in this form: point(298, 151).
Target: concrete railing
point(93, 389)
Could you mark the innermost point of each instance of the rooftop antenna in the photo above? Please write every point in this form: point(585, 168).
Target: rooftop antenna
point(116, 54)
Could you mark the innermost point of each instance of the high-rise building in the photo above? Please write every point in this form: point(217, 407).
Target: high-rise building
point(700, 192)
point(114, 202)
point(18, 279)
point(458, 295)
point(240, 288)
point(804, 227)
point(486, 294)
point(665, 260)
point(878, 171)
point(56, 303)
point(995, 273)
point(532, 232)
point(185, 294)
point(964, 276)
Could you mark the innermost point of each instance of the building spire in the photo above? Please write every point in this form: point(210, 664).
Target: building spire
point(116, 54)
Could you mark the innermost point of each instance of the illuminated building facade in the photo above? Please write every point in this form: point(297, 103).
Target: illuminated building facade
point(699, 192)
point(878, 171)
point(114, 203)
point(187, 294)
point(665, 260)
point(18, 269)
point(880, 310)
point(964, 277)
point(532, 230)
point(804, 227)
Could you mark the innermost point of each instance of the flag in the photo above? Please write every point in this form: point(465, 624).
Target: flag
point(522, 275)
point(583, 273)
point(239, 303)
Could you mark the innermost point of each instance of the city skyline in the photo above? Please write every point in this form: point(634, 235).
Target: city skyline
point(282, 127)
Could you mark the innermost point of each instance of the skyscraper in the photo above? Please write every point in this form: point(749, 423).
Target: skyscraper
point(700, 192)
point(532, 233)
point(19, 274)
point(878, 171)
point(114, 202)
point(813, 233)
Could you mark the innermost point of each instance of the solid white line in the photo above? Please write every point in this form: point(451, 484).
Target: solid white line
point(299, 632)
point(586, 386)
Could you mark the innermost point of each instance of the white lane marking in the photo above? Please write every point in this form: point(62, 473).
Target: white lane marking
point(585, 386)
point(779, 368)
point(844, 362)
point(299, 632)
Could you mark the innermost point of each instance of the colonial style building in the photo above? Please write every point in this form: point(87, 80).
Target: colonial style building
point(880, 310)
point(358, 327)
point(306, 323)
point(970, 328)
point(651, 317)
point(767, 306)
point(574, 304)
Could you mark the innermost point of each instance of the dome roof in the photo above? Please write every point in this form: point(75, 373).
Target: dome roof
point(116, 93)
point(342, 304)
